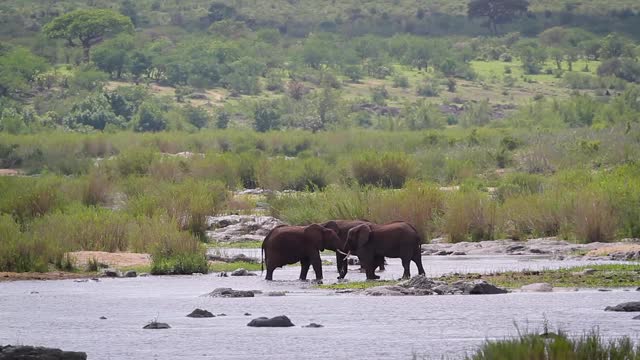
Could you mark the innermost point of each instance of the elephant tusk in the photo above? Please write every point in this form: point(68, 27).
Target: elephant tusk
point(343, 253)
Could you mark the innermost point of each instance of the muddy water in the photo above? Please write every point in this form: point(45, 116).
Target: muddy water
point(66, 314)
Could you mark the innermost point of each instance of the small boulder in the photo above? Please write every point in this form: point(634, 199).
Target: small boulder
point(109, 272)
point(625, 307)
point(81, 280)
point(313, 325)
point(200, 313)
point(242, 272)
point(537, 287)
point(278, 321)
point(230, 293)
point(144, 275)
point(247, 314)
point(443, 253)
point(130, 274)
point(276, 293)
point(459, 253)
point(157, 325)
point(481, 287)
point(222, 314)
point(103, 318)
point(636, 317)
point(223, 274)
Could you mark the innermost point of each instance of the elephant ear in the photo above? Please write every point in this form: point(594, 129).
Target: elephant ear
point(331, 225)
point(359, 235)
point(314, 233)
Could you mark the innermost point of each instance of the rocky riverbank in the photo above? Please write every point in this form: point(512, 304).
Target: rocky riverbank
point(625, 250)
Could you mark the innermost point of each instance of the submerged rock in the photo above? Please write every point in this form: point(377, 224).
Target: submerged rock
point(313, 325)
point(200, 313)
point(230, 293)
point(157, 325)
point(11, 352)
point(481, 287)
point(537, 287)
point(633, 306)
point(103, 318)
point(130, 274)
point(278, 321)
point(636, 317)
point(111, 273)
point(276, 293)
point(421, 285)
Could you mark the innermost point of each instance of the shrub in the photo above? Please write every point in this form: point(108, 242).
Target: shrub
point(29, 198)
point(595, 219)
point(97, 189)
point(292, 174)
point(469, 216)
point(389, 169)
point(173, 252)
point(135, 161)
point(401, 81)
point(428, 89)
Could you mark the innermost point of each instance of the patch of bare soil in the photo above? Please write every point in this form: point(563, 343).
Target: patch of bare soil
point(9, 172)
point(116, 260)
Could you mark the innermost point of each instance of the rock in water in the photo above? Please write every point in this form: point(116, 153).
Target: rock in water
point(200, 313)
point(633, 306)
point(278, 321)
point(11, 352)
point(537, 287)
point(313, 325)
point(637, 317)
point(157, 325)
point(130, 274)
point(481, 287)
point(111, 273)
point(230, 293)
point(242, 272)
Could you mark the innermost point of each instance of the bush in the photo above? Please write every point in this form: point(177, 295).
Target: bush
point(292, 174)
point(174, 252)
point(389, 169)
point(469, 216)
point(428, 89)
point(595, 219)
point(401, 81)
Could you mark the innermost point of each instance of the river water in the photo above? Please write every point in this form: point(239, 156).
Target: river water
point(65, 314)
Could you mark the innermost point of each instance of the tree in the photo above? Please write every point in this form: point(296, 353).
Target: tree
point(139, 64)
point(112, 55)
point(197, 116)
point(95, 112)
point(149, 118)
point(128, 9)
point(496, 11)
point(88, 26)
point(18, 67)
point(220, 11)
point(266, 116)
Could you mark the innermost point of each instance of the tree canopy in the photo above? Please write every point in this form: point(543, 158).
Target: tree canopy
point(496, 11)
point(88, 26)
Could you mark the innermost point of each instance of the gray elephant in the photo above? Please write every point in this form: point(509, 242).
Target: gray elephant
point(395, 240)
point(289, 244)
point(342, 227)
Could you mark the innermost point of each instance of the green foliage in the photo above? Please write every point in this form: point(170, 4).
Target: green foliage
point(18, 68)
point(149, 117)
point(389, 169)
point(424, 115)
point(87, 26)
point(266, 116)
point(558, 346)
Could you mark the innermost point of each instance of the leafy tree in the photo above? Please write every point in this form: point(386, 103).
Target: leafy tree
point(87, 78)
point(532, 55)
point(149, 117)
point(222, 119)
point(18, 68)
point(94, 112)
point(220, 11)
point(354, 72)
point(139, 64)
point(497, 11)
point(266, 116)
point(128, 9)
point(197, 116)
point(615, 46)
point(112, 55)
point(88, 26)
point(623, 68)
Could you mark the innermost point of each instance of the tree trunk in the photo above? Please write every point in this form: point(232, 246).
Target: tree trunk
point(86, 53)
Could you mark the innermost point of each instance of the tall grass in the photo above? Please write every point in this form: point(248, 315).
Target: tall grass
point(549, 347)
point(469, 216)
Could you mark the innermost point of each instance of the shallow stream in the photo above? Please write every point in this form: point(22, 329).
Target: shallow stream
point(65, 314)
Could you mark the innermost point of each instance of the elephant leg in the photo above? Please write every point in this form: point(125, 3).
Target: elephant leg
point(341, 264)
point(380, 262)
point(371, 275)
point(417, 258)
point(304, 268)
point(316, 262)
point(269, 272)
point(406, 263)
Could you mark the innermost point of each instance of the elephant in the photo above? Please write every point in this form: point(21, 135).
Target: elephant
point(395, 240)
point(342, 227)
point(289, 244)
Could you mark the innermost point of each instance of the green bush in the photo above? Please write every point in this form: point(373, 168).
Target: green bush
point(174, 252)
point(469, 216)
point(388, 169)
point(292, 174)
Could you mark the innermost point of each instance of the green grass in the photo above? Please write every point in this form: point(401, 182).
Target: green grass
point(237, 245)
point(605, 276)
point(356, 285)
point(550, 346)
point(220, 266)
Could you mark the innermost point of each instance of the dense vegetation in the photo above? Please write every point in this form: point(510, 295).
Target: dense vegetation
point(516, 124)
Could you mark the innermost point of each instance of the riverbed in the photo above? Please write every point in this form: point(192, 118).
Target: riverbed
point(66, 314)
